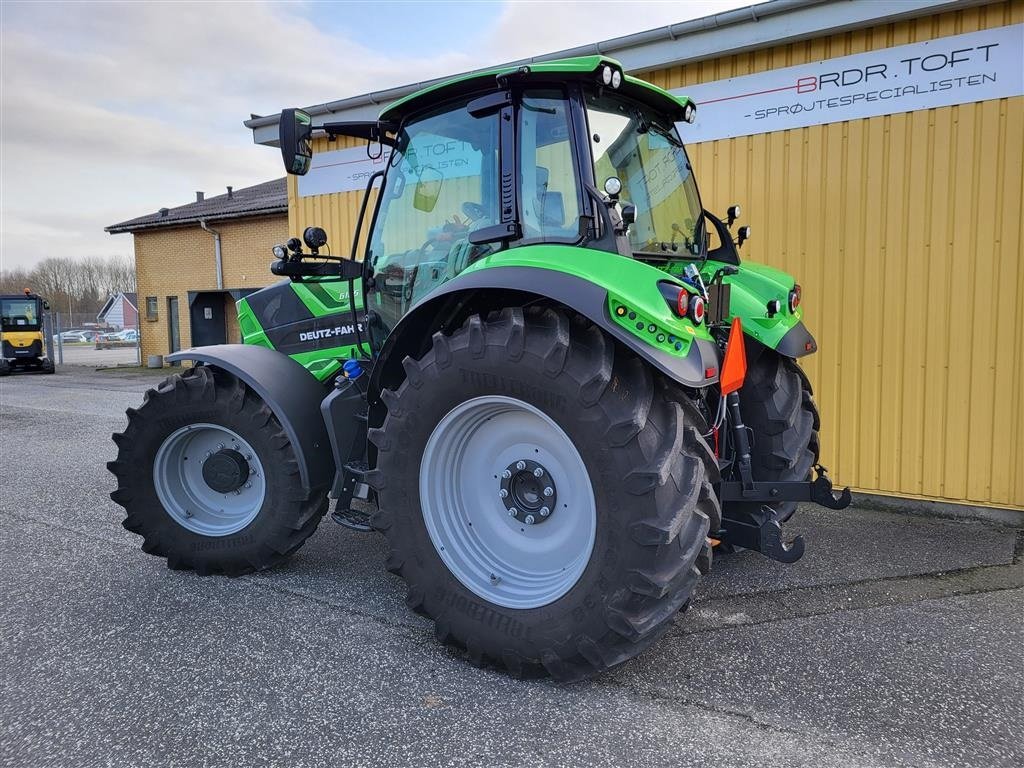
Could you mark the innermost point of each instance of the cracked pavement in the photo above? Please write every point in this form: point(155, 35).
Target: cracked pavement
point(896, 641)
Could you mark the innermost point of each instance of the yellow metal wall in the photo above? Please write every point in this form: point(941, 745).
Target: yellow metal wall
point(906, 233)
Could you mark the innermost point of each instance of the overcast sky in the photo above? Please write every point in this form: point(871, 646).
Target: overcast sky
point(112, 110)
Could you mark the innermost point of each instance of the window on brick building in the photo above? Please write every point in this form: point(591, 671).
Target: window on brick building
point(151, 307)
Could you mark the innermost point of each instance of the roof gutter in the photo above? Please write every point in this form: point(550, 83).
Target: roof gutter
point(218, 259)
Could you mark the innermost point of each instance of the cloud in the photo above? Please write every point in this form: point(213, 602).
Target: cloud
point(112, 110)
point(109, 111)
point(534, 28)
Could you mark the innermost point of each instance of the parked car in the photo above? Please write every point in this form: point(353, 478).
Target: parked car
point(128, 334)
point(73, 337)
point(117, 338)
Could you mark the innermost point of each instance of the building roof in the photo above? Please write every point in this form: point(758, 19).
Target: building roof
point(775, 22)
point(270, 197)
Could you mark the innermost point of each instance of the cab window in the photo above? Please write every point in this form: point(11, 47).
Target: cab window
point(549, 185)
point(440, 187)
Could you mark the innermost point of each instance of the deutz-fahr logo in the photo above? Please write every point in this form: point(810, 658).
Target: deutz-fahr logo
point(329, 333)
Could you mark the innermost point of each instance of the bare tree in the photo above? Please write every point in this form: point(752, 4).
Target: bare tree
point(73, 285)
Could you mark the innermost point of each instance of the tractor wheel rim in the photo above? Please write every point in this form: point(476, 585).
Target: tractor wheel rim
point(490, 550)
point(186, 494)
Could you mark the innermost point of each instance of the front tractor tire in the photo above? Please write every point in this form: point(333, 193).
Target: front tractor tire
point(208, 477)
point(545, 495)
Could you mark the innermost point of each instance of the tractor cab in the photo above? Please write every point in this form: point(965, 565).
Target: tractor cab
point(572, 153)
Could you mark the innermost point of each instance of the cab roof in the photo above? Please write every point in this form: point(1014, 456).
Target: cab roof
point(580, 68)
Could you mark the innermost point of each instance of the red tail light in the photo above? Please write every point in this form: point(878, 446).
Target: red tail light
point(682, 303)
point(697, 310)
point(794, 298)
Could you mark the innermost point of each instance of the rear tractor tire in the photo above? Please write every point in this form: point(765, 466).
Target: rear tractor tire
point(208, 477)
point(545, 495)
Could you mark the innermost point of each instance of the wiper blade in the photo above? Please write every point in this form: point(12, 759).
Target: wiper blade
point(666, 134)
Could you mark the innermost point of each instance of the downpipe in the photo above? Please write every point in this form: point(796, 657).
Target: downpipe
point(218, 259)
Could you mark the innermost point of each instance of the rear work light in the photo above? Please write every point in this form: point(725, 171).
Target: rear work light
point(794, 298)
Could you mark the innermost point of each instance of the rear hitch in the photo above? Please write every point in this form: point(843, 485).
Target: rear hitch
point(761, 532)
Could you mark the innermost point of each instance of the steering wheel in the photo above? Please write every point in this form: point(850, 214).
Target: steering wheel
point(474, 211)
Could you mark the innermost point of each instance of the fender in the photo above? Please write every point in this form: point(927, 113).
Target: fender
point(291, 392)
point(459, 297)
point(797, 342)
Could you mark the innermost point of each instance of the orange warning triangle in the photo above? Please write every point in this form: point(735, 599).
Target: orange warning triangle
point(734, 369)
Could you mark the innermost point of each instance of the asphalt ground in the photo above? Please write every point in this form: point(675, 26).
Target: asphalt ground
point(896, 641)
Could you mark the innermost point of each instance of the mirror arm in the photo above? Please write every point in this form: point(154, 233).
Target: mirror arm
point(367, 130)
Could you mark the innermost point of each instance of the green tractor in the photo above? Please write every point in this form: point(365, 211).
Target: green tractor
point(547, 380)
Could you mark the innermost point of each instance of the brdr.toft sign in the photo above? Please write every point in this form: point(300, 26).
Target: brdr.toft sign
point(958, 69)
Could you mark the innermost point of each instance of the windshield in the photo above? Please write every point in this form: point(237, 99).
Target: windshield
point(22, 314)
point(632, 144)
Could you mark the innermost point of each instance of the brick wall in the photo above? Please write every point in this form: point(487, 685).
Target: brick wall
point(174, 261)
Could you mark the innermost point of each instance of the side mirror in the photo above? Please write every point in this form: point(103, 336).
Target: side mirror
point(296, 139)
point(428, 189)
point(733, 213)
point(46, 306)
point(744, 235)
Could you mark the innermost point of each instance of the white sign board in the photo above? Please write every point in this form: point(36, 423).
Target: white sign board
point(958, 69)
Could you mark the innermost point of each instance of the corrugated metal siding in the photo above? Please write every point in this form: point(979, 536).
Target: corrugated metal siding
point(906, 233)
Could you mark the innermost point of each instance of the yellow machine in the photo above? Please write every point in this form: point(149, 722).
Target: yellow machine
point(21, 334)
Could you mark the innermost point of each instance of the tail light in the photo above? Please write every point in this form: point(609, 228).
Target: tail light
point(682, 302)
point(697, 309)
point(794, 298)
